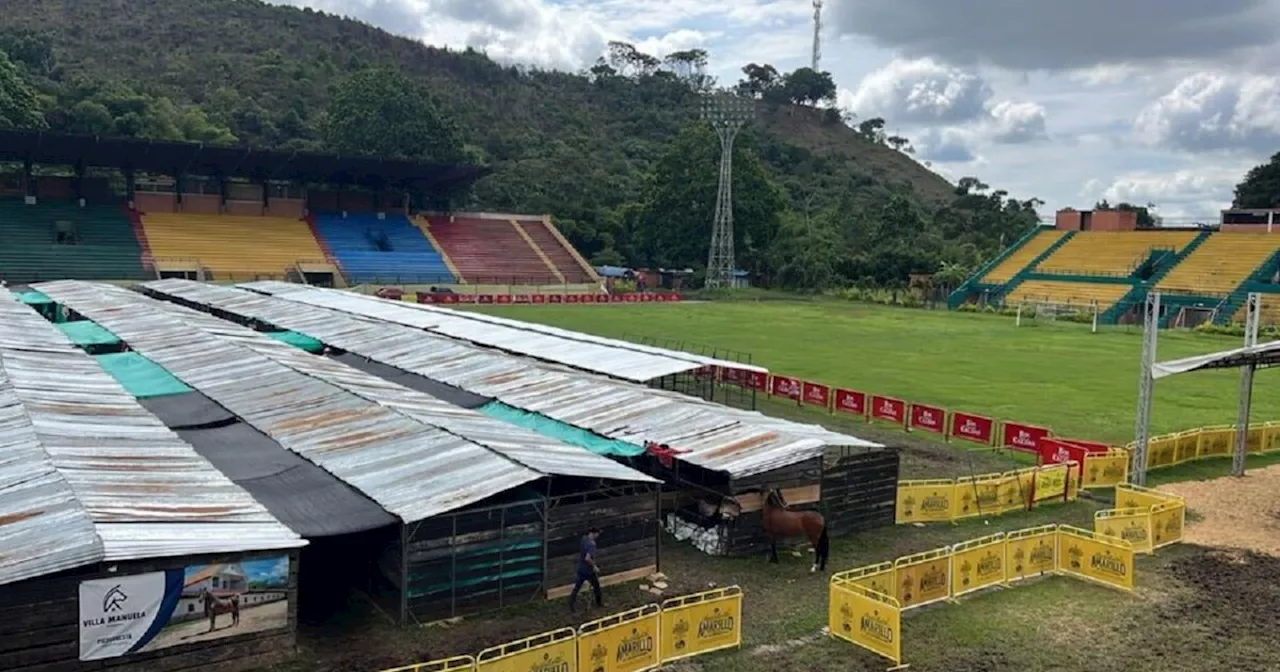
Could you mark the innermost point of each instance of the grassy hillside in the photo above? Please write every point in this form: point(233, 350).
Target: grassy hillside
point(577, 146)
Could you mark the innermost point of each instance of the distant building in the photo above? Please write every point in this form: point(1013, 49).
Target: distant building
point(1250, 220)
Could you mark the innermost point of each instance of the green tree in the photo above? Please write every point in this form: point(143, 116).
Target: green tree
point(673, 224)
point(1260, 187)
point(805, 86)
point(380, 112)
point(806, 253)
point(19, 105)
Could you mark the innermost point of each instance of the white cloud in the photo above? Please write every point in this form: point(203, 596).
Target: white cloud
point(1186, 194)
point(1207, 112)
point(1017, 122)
point(921, 92)
point(946, 145)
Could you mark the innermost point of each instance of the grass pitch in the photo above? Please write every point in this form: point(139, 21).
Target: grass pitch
point(1057, 374)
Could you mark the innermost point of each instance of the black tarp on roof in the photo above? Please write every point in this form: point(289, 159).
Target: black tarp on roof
point(306, 498)
point(446, 393)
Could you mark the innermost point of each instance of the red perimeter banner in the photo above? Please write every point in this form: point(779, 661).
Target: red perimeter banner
point(970, 427)
point(732, 376)
point(1023, 437)
point(851, 401)
point(817, 395)
point(889, 409)
point(756, 380)
point(783, 386)
point(1057, 451)
point(705, 372)
point(928, 418)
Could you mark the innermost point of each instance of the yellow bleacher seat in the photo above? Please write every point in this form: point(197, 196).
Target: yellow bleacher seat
point(1113, 253)
point(1005, 270)
point(1073, 293)
point(233, 247)
point(1220, 264)
point(1269, 315)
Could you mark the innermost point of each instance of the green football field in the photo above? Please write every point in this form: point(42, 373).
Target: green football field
point(1056, 374)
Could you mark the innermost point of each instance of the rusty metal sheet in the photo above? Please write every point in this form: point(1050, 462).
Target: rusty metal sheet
point(410, 468)
point(741, 443)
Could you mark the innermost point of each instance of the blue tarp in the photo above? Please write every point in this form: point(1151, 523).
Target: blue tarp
point(34, 298)
point(555, 429)
point(297, 340)
point(142, 377)
point(84, 332)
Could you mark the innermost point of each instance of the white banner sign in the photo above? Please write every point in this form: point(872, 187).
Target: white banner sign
point(117, 614)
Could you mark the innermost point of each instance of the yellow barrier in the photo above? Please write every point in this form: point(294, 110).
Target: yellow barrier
point(923, 578)
point(625, 642)
point(1129, 496)
point(554, 651)
point(1167, 521)
point(1131, 524)
point(865, 618)
point(454, 664)
point(701, 623)
point(1096, 558)
point(928, 501)
point(1208, 442)
point(977, 564)
point(1104, 471)
point(949, 500)
point(1031, 552)
point(876, 577)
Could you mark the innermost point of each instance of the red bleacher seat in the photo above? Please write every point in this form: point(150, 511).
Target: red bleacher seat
point(489, 251)
point(559, 256)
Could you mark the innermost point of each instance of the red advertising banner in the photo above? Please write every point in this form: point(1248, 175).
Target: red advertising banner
point(502, 298)
point(571, 298)
point(646, 298)
point(520, 298)
point(615, 298)
point(705, 372)
point(970, 427)
point(817, 395)
point(889, 409)
point(630, 298)
point(539, 298)
point(484, 298)
point(555, 298)
point(732, 376)
point(1091, 446)
point(1023, 437)
point(461, 298)
point(602, 298)
point(756, 380)
point(783, 386)
point(928, 418)
point(1057, 451)
point(851, 401)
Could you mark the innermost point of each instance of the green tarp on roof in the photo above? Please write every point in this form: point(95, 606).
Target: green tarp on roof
point(34, 298)
point(555, 429)
point(142, 377)
point(297, 340)
point(84, 332)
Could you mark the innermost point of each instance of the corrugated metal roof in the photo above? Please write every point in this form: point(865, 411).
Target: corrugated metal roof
point(533, 450)
point(412, 470)
point(611, 357)
point(739, 442)
point(115, 482)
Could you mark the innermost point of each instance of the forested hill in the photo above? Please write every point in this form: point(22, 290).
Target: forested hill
point(614, 152)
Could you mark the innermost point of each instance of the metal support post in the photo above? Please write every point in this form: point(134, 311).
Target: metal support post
point(1253, 314)
point(1146, 385)
point(727, 114)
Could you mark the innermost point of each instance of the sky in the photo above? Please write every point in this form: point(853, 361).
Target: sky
point(1070, 101)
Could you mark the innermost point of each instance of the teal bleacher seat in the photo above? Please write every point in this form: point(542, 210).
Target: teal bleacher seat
point(101, 245)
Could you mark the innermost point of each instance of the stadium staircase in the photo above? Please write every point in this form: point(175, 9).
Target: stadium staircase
point(973, 285)
point(1219, 274)
point(559, 251)
point(390, 250)
point(541, 255)
point(489, 251)
point(101, 243)
point(1028, 257)
point(228, 247)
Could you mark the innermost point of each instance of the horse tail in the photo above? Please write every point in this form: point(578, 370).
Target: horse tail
point(824, 547)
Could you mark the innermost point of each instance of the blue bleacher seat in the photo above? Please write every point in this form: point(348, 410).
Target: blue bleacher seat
point(387, 251)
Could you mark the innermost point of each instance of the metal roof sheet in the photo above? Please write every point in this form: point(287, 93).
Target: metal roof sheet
point(411, 469)
point(611, 357)
point(115, 483)
point(538, 452)
point(738, 442)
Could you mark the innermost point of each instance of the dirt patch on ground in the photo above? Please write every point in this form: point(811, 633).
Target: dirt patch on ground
point(1234, 512)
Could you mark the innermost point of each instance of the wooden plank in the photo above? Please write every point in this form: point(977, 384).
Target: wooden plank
point(808, 494)
point(605, 581)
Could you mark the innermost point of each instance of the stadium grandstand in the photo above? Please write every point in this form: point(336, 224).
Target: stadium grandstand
point(1101, 261)
point(129, 210)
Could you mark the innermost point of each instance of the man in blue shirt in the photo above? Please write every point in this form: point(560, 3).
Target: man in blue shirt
point(588, 570)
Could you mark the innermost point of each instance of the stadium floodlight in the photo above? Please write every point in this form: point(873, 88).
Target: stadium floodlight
point(727, 114)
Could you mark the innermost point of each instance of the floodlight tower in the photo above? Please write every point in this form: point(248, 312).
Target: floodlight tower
point(727, 114)
point(817, 34)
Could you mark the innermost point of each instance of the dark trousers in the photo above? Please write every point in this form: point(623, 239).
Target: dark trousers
point(585, 576)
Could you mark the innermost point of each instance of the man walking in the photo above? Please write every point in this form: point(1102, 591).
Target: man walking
point(588, 570)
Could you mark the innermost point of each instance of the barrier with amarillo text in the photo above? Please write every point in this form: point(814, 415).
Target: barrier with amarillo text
point(949, 500)
point(865, 605)
point(1131, 524)
point(701, 623)
point(454, 664)
point(625, 642)
point(554, 651)
point(1160, 516)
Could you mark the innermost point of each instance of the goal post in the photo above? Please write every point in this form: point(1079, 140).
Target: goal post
point(1033, 312)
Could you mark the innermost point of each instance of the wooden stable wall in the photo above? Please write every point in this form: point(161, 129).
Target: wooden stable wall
point(859, 490)
point(472, 561)
point(800, 484)
point(628, 543)
point(39, 626)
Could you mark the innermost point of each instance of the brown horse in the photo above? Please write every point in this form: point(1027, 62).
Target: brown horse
point(214, 606)
point(781, 523)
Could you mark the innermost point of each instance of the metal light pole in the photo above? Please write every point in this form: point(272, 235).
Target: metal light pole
point(1146, 385)
point(1253, 315)
point(727, 114)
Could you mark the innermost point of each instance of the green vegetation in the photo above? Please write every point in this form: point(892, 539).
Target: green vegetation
point(616, 153)
point(1260, 187)
point(1056, 374)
